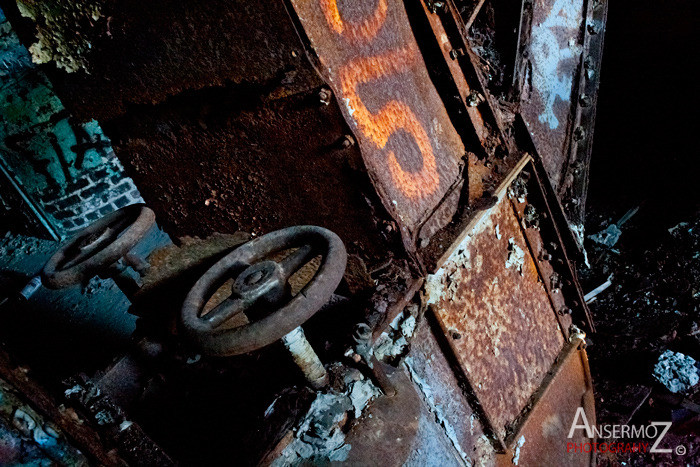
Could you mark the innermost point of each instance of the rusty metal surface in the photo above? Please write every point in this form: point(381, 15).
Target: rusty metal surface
point(65, 421)
point(433, 375)
point(552, 37)
point(140, 54)
point(369, 56)
point(255, 169)
point(542, 439)
point(573, 188)
point(490, 302)
point(400, 430)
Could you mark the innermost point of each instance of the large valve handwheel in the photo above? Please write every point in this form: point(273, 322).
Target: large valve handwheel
point(262, 283)
point(98, 246)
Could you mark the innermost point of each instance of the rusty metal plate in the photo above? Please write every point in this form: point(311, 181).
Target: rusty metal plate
point(400, 431)
point(368, 54)
point(497, 315)
point(432, 375)
point(550, 71)
point(543, 436)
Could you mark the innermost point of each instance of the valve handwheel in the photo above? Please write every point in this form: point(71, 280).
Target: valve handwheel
point(260, 283)
point(98, 246)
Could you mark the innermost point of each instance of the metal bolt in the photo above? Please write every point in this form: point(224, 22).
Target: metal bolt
point(576, 334)
point(584, 100)
point(324, 96)
point(565, 311)
point(347, 141)
point(362, 333)
point(456, 53)
point(436, 7)
point(474, 99)
point(544, 256)
point(579, 133)
point(254, 278)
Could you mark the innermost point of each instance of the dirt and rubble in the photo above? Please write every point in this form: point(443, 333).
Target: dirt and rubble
point(644, 354)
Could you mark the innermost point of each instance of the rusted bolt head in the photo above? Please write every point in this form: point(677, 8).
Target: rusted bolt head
point(324, 96)
point(456, 53)
point(584, 100)
point(436, 7)
point(362, 332)
point(347, 141)
point(579, 133)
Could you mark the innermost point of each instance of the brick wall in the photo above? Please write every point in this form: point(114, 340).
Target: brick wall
point(66, 167)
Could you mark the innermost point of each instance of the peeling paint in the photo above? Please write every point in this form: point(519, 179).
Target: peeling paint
point(65, 30)
point(440, 417)
point(518, 446)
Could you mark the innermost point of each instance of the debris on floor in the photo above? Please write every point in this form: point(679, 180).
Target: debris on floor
point(611, 234)
point(676, 371)
point(590, 296)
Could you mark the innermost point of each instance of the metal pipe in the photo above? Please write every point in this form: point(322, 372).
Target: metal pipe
point(305, 357)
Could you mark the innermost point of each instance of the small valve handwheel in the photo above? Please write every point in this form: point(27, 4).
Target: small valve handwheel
point(98, 246)
point(262, 283)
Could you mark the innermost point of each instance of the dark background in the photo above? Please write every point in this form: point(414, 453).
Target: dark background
point(645, 148)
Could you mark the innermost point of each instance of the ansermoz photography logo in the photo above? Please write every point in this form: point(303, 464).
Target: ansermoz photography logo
point(625, 438)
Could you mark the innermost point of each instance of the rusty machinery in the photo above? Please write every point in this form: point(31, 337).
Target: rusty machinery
point(445, 143)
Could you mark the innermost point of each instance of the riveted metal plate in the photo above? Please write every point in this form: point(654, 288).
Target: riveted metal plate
point(552, 35)
point(432, 375)
point(367, 53)
point(492, 305)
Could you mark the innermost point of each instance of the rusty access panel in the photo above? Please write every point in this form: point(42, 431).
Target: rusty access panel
point(367, 53)
point(490, 302)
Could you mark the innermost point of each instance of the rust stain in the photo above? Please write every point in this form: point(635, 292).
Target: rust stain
point(369, 56)
point(497, 316)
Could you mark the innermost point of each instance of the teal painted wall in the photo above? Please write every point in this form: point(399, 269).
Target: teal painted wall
point(68, 168)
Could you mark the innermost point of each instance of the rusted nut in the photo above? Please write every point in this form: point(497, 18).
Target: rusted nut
point(584, 100)
point(362, 333)
point(324, 96)
point(346, 142)
point(576, 334)
point(565, 311)
point(579, 133)
point(262, 283)
point(456, 53)
point(437, 6)
point(544, 256)
point(98, 246)
point(474, 99)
